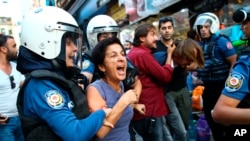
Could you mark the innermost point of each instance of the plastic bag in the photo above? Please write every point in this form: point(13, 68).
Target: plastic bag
point(203, 129)
point(197, 102)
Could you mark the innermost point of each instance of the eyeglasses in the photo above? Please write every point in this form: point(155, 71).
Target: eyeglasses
point(12, 83)
point(166, 19)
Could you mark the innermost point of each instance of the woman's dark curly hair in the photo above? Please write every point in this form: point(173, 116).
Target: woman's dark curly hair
point(98, 54)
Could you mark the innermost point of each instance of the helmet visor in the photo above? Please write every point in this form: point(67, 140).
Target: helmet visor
point(75, 40)
point(106, 29)
point(203, 21)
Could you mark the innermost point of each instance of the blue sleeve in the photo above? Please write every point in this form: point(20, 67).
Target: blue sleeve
point(237, 83)
point(88, 66)
point(189, 82)
point(160, 57)
point(225, 47)
point(57, 111)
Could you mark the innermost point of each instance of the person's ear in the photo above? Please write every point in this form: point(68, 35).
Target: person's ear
point(142, 39)
point(101, 68)
point(3, 49)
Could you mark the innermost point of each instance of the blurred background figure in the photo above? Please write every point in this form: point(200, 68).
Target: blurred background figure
point(11, 81)
point(127, 45)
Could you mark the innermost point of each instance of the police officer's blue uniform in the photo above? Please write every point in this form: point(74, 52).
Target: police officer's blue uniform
point(87, 65)
point(237, 87)
point(216, 49)
point(237, 84)
point(214, 74)
point(50, 103)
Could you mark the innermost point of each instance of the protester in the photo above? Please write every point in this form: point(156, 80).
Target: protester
point(150, 126)
point(177, 94)
point(11, 81)
point(187, 56)
point(174, 120)
point(51, 104)
point(97, 31)
point(110, 58)
point(128, 45)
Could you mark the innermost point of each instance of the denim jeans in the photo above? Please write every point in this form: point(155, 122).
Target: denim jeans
point(182, 101)
point(174, 121)
point(11, 131)
point(160, 133)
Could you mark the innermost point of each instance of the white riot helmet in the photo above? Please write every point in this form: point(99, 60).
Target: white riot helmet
point(100, 24)
point(43, 31)
point(207, 18)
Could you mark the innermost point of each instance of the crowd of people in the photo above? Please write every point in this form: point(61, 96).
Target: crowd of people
point(114, 92)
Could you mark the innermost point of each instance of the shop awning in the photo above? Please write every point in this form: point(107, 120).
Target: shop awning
point(88, 10)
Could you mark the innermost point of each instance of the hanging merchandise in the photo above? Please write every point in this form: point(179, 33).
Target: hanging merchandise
point(161, 4)
point(130, 9)
point(203, 129)
point(145, 8)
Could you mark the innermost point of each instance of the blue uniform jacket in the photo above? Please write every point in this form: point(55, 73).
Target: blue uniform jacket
point(222, 49)
point(50, 103)
point(237, 84)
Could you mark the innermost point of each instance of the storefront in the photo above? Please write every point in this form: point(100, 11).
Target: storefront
point(181, 18)
point(186, 14)
point(131, 13)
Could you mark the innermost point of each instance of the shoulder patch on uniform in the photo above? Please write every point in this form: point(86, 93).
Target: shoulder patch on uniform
point(54, 99)
point(85, 64)
point(234, 82)
point(229, 45)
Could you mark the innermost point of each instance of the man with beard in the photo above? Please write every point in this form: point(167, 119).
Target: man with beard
point(11, 81)
point(153, 76)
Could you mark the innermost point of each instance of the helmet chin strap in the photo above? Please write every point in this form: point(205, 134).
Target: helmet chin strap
point(56, 64)
point(70, 72)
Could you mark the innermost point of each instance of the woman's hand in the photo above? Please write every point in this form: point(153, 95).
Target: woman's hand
point(140, 108)
point(107, 112)
point(130, 97)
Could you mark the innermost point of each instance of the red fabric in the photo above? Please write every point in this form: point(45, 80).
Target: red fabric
point(152, 77)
